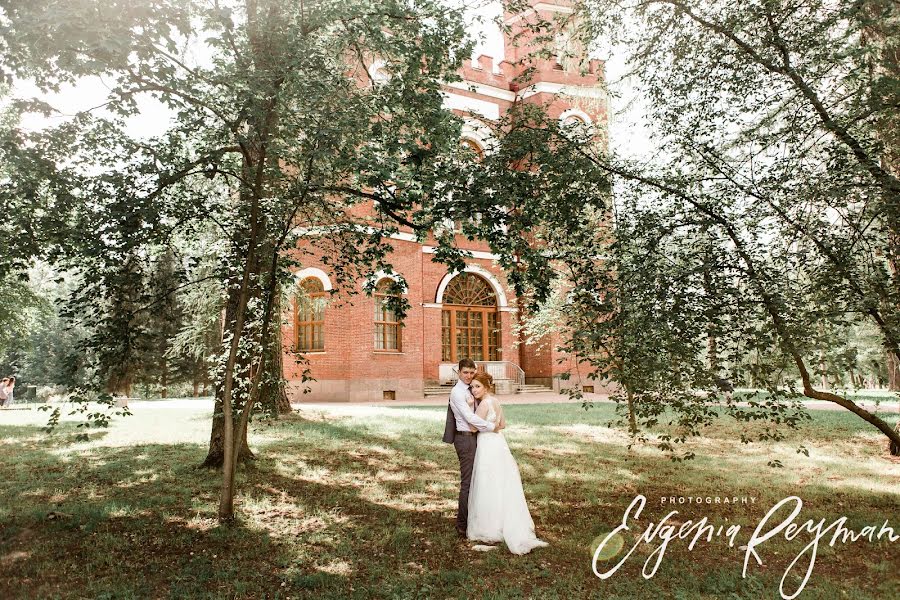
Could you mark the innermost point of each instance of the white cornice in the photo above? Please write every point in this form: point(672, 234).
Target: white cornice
point(314, 273)
point(506, 309)
point(400, 235)
point(472, 253)
point(564, 90)
point(537, 88)
point(483, 89)
point(540, 6)
point(488, 110)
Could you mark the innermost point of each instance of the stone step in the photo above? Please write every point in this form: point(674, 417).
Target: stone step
point(535, 390)
point(444, 390)
point(438, 391)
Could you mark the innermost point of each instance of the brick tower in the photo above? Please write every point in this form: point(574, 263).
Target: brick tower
point(358, 352)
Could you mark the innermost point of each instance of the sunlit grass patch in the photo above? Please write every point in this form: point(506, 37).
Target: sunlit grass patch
point(359, 501)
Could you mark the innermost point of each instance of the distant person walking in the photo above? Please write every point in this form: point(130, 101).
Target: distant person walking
point(7, 387)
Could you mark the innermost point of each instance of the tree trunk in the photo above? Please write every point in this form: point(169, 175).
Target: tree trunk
point(823, 383)
point(883, 33)
point(632, 419)
point(893, 369)
point(216, 454)
point(712, 346)
point(272, 390)
point(164, 378)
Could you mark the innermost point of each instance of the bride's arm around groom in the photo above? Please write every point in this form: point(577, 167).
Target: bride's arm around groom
point(459, 401)
point(485, 407)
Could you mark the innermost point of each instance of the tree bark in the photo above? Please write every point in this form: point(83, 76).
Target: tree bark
point(215, 457)
point(893, 369)
point(232, 451)
point(632, 419)
point(272, 390)
point(164, 378)
point(216, 454)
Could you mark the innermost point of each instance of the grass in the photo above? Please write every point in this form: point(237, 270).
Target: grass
point(353, 502)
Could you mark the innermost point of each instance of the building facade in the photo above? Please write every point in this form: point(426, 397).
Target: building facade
point(358, 351)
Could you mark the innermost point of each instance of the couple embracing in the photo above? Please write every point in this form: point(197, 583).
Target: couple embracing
point(492, 505)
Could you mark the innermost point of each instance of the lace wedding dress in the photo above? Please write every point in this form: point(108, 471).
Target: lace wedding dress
point(497, 508)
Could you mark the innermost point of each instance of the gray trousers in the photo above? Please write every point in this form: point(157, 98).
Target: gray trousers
point(465, 450)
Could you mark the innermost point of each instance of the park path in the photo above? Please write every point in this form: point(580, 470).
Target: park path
point(532, 398)
point(554, 398)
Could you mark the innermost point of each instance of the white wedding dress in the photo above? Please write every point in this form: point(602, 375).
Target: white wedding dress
point(497, 508)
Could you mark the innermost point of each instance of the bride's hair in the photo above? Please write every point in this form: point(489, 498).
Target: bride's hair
point(486, 380)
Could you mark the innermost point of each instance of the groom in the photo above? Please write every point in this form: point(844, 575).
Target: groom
point(458, 431)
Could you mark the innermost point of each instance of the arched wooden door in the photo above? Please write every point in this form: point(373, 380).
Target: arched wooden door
point(470, 323)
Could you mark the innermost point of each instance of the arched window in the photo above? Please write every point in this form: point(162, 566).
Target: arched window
point(309, 316)
point(474, 147)
point(576, 125)
point(387, 325)
point(470, 327)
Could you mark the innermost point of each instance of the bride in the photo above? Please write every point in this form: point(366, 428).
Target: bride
point(497, 508)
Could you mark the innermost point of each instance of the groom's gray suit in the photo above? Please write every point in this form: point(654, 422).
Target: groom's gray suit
point(458, 433)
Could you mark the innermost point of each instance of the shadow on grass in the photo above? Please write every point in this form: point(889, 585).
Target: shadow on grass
point(359, 507)
point(135, 522)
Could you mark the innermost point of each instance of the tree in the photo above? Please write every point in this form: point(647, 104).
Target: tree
point(773, 120)
point(165, 320)
point(281, 133)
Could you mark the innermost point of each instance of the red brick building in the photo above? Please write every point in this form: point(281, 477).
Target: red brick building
point(359, 352)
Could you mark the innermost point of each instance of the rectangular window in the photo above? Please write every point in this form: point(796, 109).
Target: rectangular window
point(311, 324)
point(493, 336)
point(446, 335)
point(472, 333)
point(387, 326)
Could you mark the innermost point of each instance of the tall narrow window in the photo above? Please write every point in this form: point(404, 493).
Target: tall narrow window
point(478, 152)
point(387, 325)
point(310, 316)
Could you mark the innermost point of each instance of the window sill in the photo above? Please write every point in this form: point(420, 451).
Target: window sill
point(387, 352)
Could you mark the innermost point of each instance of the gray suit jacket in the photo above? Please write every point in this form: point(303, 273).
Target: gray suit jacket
point(450, 427)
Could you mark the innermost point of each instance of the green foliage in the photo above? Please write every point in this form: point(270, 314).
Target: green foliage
point(283, 143)
point(97, 409)
point(281, 133)
point(764, 228)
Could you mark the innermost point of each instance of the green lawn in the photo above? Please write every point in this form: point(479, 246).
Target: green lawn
point(359, 503)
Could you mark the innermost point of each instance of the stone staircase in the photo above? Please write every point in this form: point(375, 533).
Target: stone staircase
point(530, 388)
point(438, 390)
point(444, 390)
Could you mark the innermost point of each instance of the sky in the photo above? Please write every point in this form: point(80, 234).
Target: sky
point(628, 137)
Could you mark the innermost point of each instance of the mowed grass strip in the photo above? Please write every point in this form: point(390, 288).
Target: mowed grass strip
point(358, 502)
